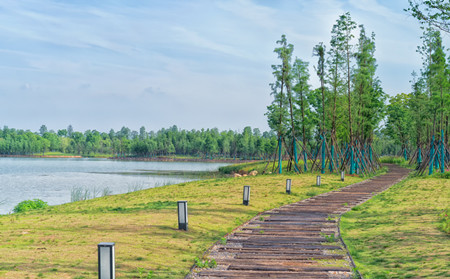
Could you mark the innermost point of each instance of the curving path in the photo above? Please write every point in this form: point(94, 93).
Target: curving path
point(299, 240)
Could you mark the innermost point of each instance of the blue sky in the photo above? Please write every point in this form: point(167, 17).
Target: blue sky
point(196, 64)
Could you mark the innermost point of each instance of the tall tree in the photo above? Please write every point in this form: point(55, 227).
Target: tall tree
point(281, 108)
point(319, 51)
point(431, 12)
point(368, 93)
point(343, 35)
point(335, 64)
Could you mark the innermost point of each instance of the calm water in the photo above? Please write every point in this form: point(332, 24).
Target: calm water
point(53, 180)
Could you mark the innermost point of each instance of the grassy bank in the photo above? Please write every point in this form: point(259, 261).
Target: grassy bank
point(61, 241)
point(400, 233)
point(260, 166)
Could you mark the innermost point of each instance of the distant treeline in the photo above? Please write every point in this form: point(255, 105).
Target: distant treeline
point(209, 143)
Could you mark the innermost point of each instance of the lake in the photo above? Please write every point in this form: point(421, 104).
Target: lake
point(54, 180)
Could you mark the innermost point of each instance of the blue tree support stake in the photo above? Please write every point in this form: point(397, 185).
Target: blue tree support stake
point(295, 155)
point(305, 159)
point(442, 151)
point(419, 157)
point(280, 161)
point(331, 161)
point(323, 154)
point(351, 159)
point(430, 171)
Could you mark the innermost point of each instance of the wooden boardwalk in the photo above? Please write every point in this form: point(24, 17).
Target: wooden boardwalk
point(300, 240)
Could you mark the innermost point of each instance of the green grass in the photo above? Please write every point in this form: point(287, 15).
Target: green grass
point(398, 160)
point(397, 233)
point(61, 154)
point(444, 221)
point(260, 166)
point(61, 241)
point(247, 167)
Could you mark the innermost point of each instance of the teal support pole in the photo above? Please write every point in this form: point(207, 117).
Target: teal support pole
point(305, 160)
point(351, 159)
point(332, 158)
point(370, 154)
point(345, 154)
point(442, 152)
point(436, 159)
point(430, 170)
point(363, 166)
point(356, 161)
point(419, 157)
point(295, 156)
point(405, 155)
point(323, 154)
point(280, 161)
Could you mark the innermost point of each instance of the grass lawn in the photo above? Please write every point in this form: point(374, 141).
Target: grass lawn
point(61, 241)
point(396, 234)
point(260, 166)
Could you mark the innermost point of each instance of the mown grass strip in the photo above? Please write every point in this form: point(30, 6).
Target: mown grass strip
point(397, 233)
point(61, 241)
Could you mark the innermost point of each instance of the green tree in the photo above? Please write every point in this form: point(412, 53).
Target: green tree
point(319, 51)
point(304, 118)
point(431, 12)
point(342, 38)
point(43, 130)
point(368, 92)
point(278, 111)
point(398, 120)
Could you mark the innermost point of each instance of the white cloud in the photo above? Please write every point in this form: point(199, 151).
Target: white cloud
point(185, 36)
point(247, 10)
point(198, 57)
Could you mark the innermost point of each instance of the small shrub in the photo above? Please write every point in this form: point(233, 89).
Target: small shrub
point(223, 241)
point(143, 274)
point(205, 263)
point(30, 205)
point(329, 238)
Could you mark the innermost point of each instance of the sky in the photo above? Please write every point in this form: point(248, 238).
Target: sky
point(97, 64)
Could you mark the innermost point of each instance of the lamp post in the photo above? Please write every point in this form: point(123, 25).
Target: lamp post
point(342, 175)
point(246, 197)
point(288, 185)
point(106, 268)
point(318, 180)
point(182, 215)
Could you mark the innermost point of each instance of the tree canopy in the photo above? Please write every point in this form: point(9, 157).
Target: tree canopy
point(250, 143)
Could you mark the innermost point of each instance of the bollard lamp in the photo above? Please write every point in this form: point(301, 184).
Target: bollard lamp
point(106, 268)
point(182, 215)
point(246, 197)
point(288, 185)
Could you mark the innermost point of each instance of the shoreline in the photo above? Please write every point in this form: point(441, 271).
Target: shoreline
point(40, 156)
point(142, 159)
point(174, 159)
